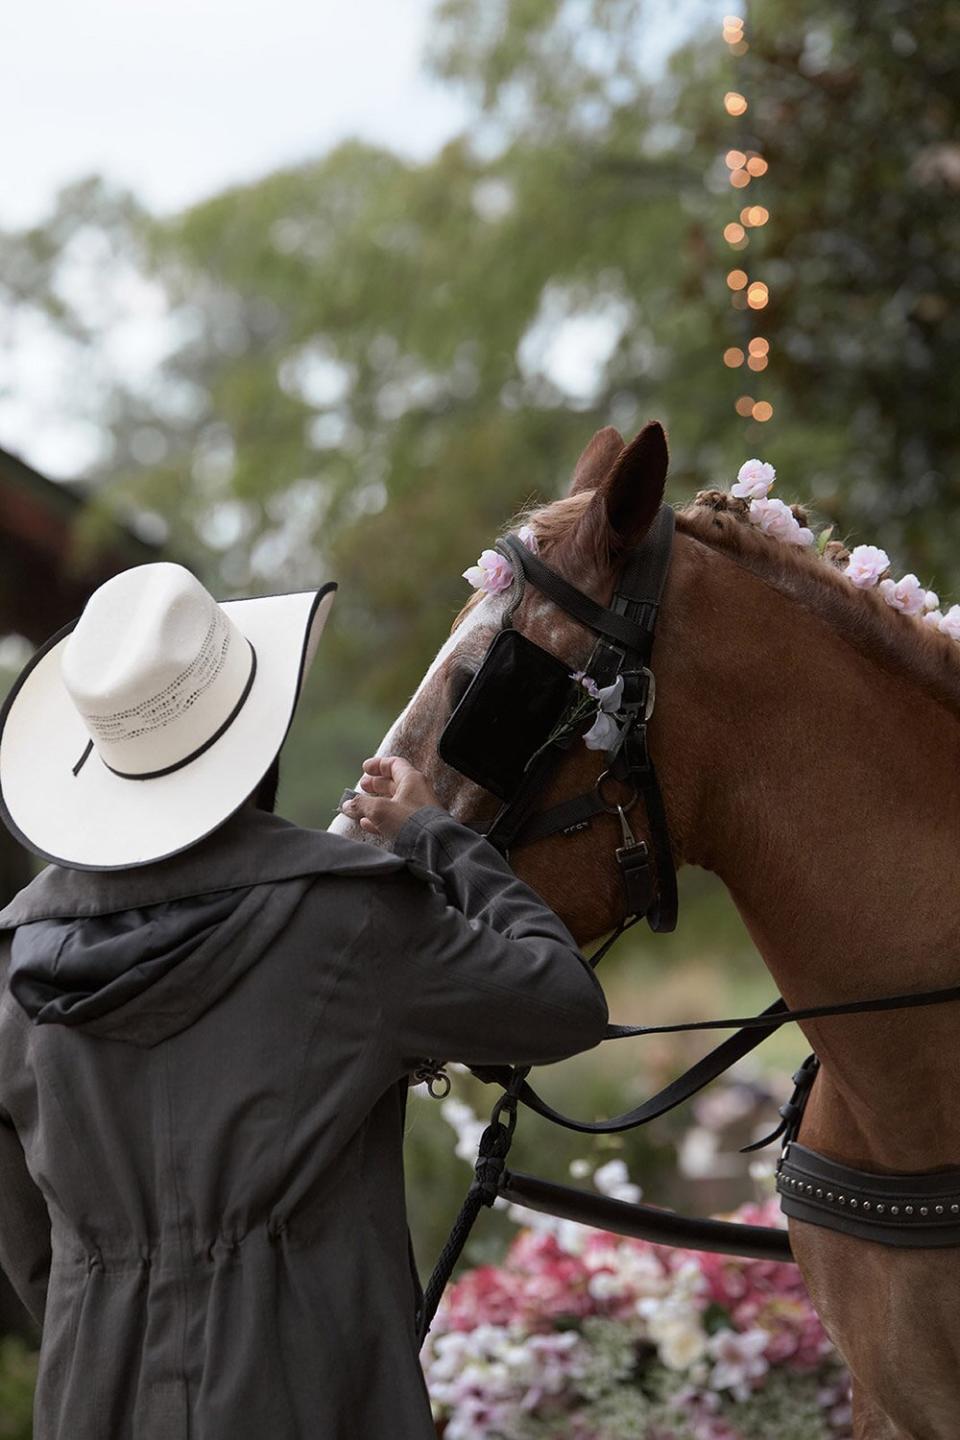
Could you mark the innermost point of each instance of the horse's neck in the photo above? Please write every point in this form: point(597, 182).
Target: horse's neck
point(831, 810)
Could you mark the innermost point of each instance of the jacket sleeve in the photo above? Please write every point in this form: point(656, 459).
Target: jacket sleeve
point(475, 966)
point(24, 1224)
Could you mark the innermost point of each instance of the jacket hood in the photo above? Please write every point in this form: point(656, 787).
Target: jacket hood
point(72, 971)
point(140, 954)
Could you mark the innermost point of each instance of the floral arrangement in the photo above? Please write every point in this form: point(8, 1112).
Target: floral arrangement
point(580, 1334)
point(865, 566)
point(584, 1335)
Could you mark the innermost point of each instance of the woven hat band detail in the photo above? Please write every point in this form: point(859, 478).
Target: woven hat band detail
point(176, 671)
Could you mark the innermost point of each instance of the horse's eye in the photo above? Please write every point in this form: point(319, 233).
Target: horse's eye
point(460, 678)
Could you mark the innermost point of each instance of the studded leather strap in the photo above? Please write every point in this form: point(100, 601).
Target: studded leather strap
point(918, 1211)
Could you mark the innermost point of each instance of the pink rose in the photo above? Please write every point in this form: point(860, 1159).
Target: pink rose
point(906, 595)
point(526, 535)
point(933, 618)
point(800, 536)
point(865, 566)
point(778, 520)
point(754, 479)
point(950, 623)
point(492, 573)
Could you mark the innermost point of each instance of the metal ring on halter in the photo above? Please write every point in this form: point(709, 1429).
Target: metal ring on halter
point(612, 809)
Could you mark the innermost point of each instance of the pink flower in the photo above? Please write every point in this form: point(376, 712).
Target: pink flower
point(587, 681)
point(492, 573)
point(931, 601)
point(950, 623)
point(803, 535)
point(754, 479)
point(777, 520)
point(933, 618)
point(525, 533)
point(865, 566)
point(906, 595)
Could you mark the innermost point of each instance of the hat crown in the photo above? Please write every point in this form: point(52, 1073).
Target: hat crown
point(153, 666)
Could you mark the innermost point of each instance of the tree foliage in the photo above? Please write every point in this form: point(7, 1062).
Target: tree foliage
point(368, 364)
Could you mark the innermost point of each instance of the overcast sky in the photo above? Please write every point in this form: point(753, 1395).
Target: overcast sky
point(178, 98)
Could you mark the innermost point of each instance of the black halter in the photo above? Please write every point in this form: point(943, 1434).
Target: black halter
point(624, 646)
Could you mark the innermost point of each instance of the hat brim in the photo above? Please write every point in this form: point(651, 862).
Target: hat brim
point(97, 820)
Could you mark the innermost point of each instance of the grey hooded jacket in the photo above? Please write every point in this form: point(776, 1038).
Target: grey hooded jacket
point(203, 1072)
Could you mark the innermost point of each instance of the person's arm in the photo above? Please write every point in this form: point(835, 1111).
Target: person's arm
point(471, 964)
point(484, 973)
point(24, 1224)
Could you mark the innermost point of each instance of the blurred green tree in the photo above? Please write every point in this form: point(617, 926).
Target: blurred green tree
point(369, 363)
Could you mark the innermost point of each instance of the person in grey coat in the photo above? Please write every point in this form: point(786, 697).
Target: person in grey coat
point(209, 1018)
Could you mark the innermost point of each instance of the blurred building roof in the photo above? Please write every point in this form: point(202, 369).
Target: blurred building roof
point(44, 579)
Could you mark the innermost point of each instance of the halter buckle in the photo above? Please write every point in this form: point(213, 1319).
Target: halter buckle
point(639, 691)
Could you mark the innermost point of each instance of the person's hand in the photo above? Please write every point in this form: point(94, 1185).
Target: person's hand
point(392, 791)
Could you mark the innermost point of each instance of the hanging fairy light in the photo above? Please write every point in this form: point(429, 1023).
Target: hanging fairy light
point(749, 294)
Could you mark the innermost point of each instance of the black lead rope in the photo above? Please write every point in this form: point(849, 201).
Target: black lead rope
point(489, 1173)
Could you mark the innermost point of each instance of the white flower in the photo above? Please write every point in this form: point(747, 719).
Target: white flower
point(754, 479)
point(681, 1343)
point(526, 535)
point(950, 624)
point(865, 565)
point(605, 732)
point(777, 519)
point(468, 1126)
point(933, 618)
point(738, 1359)
point(906, 595)
point(612, 1179)
point(931, 601)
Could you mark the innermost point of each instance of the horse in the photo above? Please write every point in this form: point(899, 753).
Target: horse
point(807, 741)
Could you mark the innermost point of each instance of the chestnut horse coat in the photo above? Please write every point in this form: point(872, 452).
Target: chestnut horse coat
point(203, 1073)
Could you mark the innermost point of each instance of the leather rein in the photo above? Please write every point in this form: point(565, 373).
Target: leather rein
point(811, 1187)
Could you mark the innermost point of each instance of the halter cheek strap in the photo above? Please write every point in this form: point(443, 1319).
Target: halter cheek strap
point(625, 633)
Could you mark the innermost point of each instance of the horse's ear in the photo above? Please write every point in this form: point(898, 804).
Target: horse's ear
point(632, 492)
point(597, 460)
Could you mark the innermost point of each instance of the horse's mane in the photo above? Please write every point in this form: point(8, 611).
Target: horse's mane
point(900, 643)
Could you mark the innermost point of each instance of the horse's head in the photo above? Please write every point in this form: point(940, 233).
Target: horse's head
point(615, 493)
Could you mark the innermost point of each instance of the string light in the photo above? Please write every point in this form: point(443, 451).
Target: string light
point(746, 295)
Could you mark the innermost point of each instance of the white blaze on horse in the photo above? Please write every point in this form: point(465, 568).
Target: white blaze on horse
point(807, 742)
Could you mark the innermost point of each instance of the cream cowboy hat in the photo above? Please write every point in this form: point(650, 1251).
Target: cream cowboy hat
point(142, 726)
